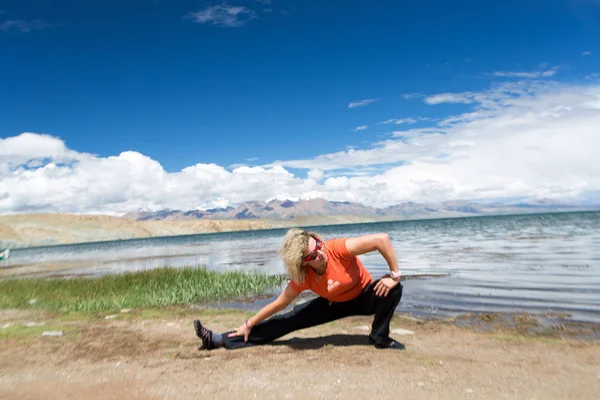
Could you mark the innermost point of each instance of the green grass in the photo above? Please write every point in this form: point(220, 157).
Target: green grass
point(146, 289)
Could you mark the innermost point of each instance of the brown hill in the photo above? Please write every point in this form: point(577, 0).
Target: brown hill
point(49, 229)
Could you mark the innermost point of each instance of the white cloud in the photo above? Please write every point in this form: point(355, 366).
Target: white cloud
point(411, 96)
point(464, 98)
point(315, 174)
point(533, 74)
point(586, 53)
point(401, 121)
point(223, 15)
point(520, 139)
point(362, 103)
point(360, 128)
point(23, 26)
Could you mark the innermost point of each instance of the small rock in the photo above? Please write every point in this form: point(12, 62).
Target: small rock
point(170, 323)
point(125, 310)
point(52, 333)
point(32, 301)
point(206, 358)
point(469, 390)
point(110, 317)
point(7, 325)
point(402, 332)
point(420, 384)
point(363, 328)
point(441, 363)
point(32, 324)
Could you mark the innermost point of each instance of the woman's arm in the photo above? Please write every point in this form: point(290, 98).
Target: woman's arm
point(281, 302)
point(381, 242)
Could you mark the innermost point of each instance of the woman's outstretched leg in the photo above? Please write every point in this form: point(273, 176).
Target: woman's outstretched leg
point(312, 313)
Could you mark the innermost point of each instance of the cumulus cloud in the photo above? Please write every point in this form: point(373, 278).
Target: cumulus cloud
point(533, 139)
point(360, 128)
point(315, 174)
point(222, 15)
point(63, 180)
point(23, 26)
point(361, 103)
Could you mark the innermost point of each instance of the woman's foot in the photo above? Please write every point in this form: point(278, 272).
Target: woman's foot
point(204, 334)
point(389, 344)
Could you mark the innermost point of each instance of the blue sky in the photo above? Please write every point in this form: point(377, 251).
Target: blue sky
point(183, 83)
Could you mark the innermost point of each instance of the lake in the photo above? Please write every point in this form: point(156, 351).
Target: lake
point(539, 263)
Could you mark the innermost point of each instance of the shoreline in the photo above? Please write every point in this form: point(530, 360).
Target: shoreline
point(537, 320)
point(52, 230)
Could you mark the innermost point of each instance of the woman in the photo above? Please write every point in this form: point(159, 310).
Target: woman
point(333, 271)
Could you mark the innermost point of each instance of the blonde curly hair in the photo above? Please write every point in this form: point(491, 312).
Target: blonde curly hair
point(295, 242)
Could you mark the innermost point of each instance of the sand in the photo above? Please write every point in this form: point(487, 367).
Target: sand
point(28, 230)
point(138, 355)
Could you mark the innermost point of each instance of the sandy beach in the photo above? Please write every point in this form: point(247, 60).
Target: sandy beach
point(154, 354)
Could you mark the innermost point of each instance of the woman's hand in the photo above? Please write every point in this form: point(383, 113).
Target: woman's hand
point(243, 330)
point(385, 284)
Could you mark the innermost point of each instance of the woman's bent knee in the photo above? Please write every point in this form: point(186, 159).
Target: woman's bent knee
point(397, 291)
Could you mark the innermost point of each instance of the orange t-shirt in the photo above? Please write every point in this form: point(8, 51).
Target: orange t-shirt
point(343, 280)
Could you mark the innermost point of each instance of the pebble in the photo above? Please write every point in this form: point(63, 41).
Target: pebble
point(469, 390)
point(7, 325)
point(32, 324)
point(420, 384)
point(402, 332)
point(110, 317)
point(125, 310)
point(32, 301)
point(363, 328)
point(52, 333)
point(171, 324)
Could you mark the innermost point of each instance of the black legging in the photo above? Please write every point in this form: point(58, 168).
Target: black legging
point(320, 311)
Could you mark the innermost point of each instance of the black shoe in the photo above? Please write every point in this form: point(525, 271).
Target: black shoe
point(204, 334)
point(389, 344)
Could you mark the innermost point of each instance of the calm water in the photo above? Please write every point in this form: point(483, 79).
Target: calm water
point(535, 263)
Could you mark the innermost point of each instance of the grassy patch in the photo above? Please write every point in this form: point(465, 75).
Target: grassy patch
point(146, 289)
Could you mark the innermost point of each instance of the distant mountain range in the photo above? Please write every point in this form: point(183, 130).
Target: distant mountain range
point(287, 210)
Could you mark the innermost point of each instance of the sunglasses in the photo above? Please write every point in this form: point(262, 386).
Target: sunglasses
point(313, 254)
